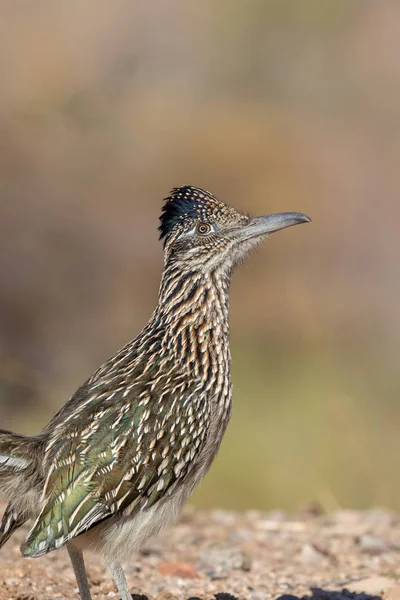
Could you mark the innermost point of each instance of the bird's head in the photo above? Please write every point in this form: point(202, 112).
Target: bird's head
point(201, 233)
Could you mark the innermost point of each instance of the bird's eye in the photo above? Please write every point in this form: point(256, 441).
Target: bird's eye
point(203, 228)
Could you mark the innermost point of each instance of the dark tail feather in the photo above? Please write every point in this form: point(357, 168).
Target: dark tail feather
point(17, 452)
point(20, 479)
point(10, 522)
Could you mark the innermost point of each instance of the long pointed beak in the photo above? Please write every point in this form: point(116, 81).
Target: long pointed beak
point(270, 223)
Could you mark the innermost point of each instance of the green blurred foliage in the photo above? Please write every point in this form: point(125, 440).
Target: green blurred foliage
point(272, 105)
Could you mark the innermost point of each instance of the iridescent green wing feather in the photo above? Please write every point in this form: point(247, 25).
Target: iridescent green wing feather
point(126, 450)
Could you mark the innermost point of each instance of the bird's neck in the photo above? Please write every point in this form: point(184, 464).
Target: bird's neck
point(192, 319)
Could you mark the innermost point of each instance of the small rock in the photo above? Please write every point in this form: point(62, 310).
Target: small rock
point(240, 535)
point(278, 516)
point(225, 517)
point(180, 569)
point(166, 596)
point(381, 516)
point(393, 593)
point(370, 544)
point(395, 546)
point(347, 517)
point(310, 554)
point(224, 596)
point(217, 573)
point(371, 585)
point(220, 560)
point(310, 511)
point(288, 597)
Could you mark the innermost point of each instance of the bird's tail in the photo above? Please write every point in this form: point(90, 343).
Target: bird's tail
point(18, 453)
point(20, 476)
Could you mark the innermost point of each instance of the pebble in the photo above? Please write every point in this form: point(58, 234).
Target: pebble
point(240, 535)
point(224, 517)
point(371, 544)
point(166, 596)
point(218, 573)
point(276, 515)
point(219, 561)
point(310, 554)
point(381, 516)
point(347, 517)
point(310, 511)
point(179, 569)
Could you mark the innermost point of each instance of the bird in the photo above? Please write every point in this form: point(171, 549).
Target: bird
point(118, 460)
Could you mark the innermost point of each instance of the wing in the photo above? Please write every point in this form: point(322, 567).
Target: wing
point(117, 452)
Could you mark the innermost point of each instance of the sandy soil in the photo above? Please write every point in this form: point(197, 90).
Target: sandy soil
point(253, 556)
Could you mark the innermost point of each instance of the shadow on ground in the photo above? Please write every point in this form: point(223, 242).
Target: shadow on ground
point(316, 594)
point(319, 594)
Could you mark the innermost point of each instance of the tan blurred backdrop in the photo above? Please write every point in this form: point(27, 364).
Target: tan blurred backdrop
point(273, 106)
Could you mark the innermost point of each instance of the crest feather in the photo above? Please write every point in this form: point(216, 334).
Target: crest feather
point(183, 202)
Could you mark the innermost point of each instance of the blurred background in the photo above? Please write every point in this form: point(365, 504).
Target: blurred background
point(274, 105)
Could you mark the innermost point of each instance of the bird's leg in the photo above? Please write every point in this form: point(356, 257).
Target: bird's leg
point(76, 557)
point(120, 580)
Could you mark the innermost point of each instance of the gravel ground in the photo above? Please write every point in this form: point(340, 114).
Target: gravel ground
point(252, 556)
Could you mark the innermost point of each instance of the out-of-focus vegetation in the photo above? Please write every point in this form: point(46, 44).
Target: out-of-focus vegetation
point(272, 105)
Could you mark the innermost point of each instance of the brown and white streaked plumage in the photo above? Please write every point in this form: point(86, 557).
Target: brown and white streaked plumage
point(116, 463)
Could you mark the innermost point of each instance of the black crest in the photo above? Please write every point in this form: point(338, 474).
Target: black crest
point(184, 202)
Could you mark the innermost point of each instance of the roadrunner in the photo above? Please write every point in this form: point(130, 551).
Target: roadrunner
point(116, 463)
